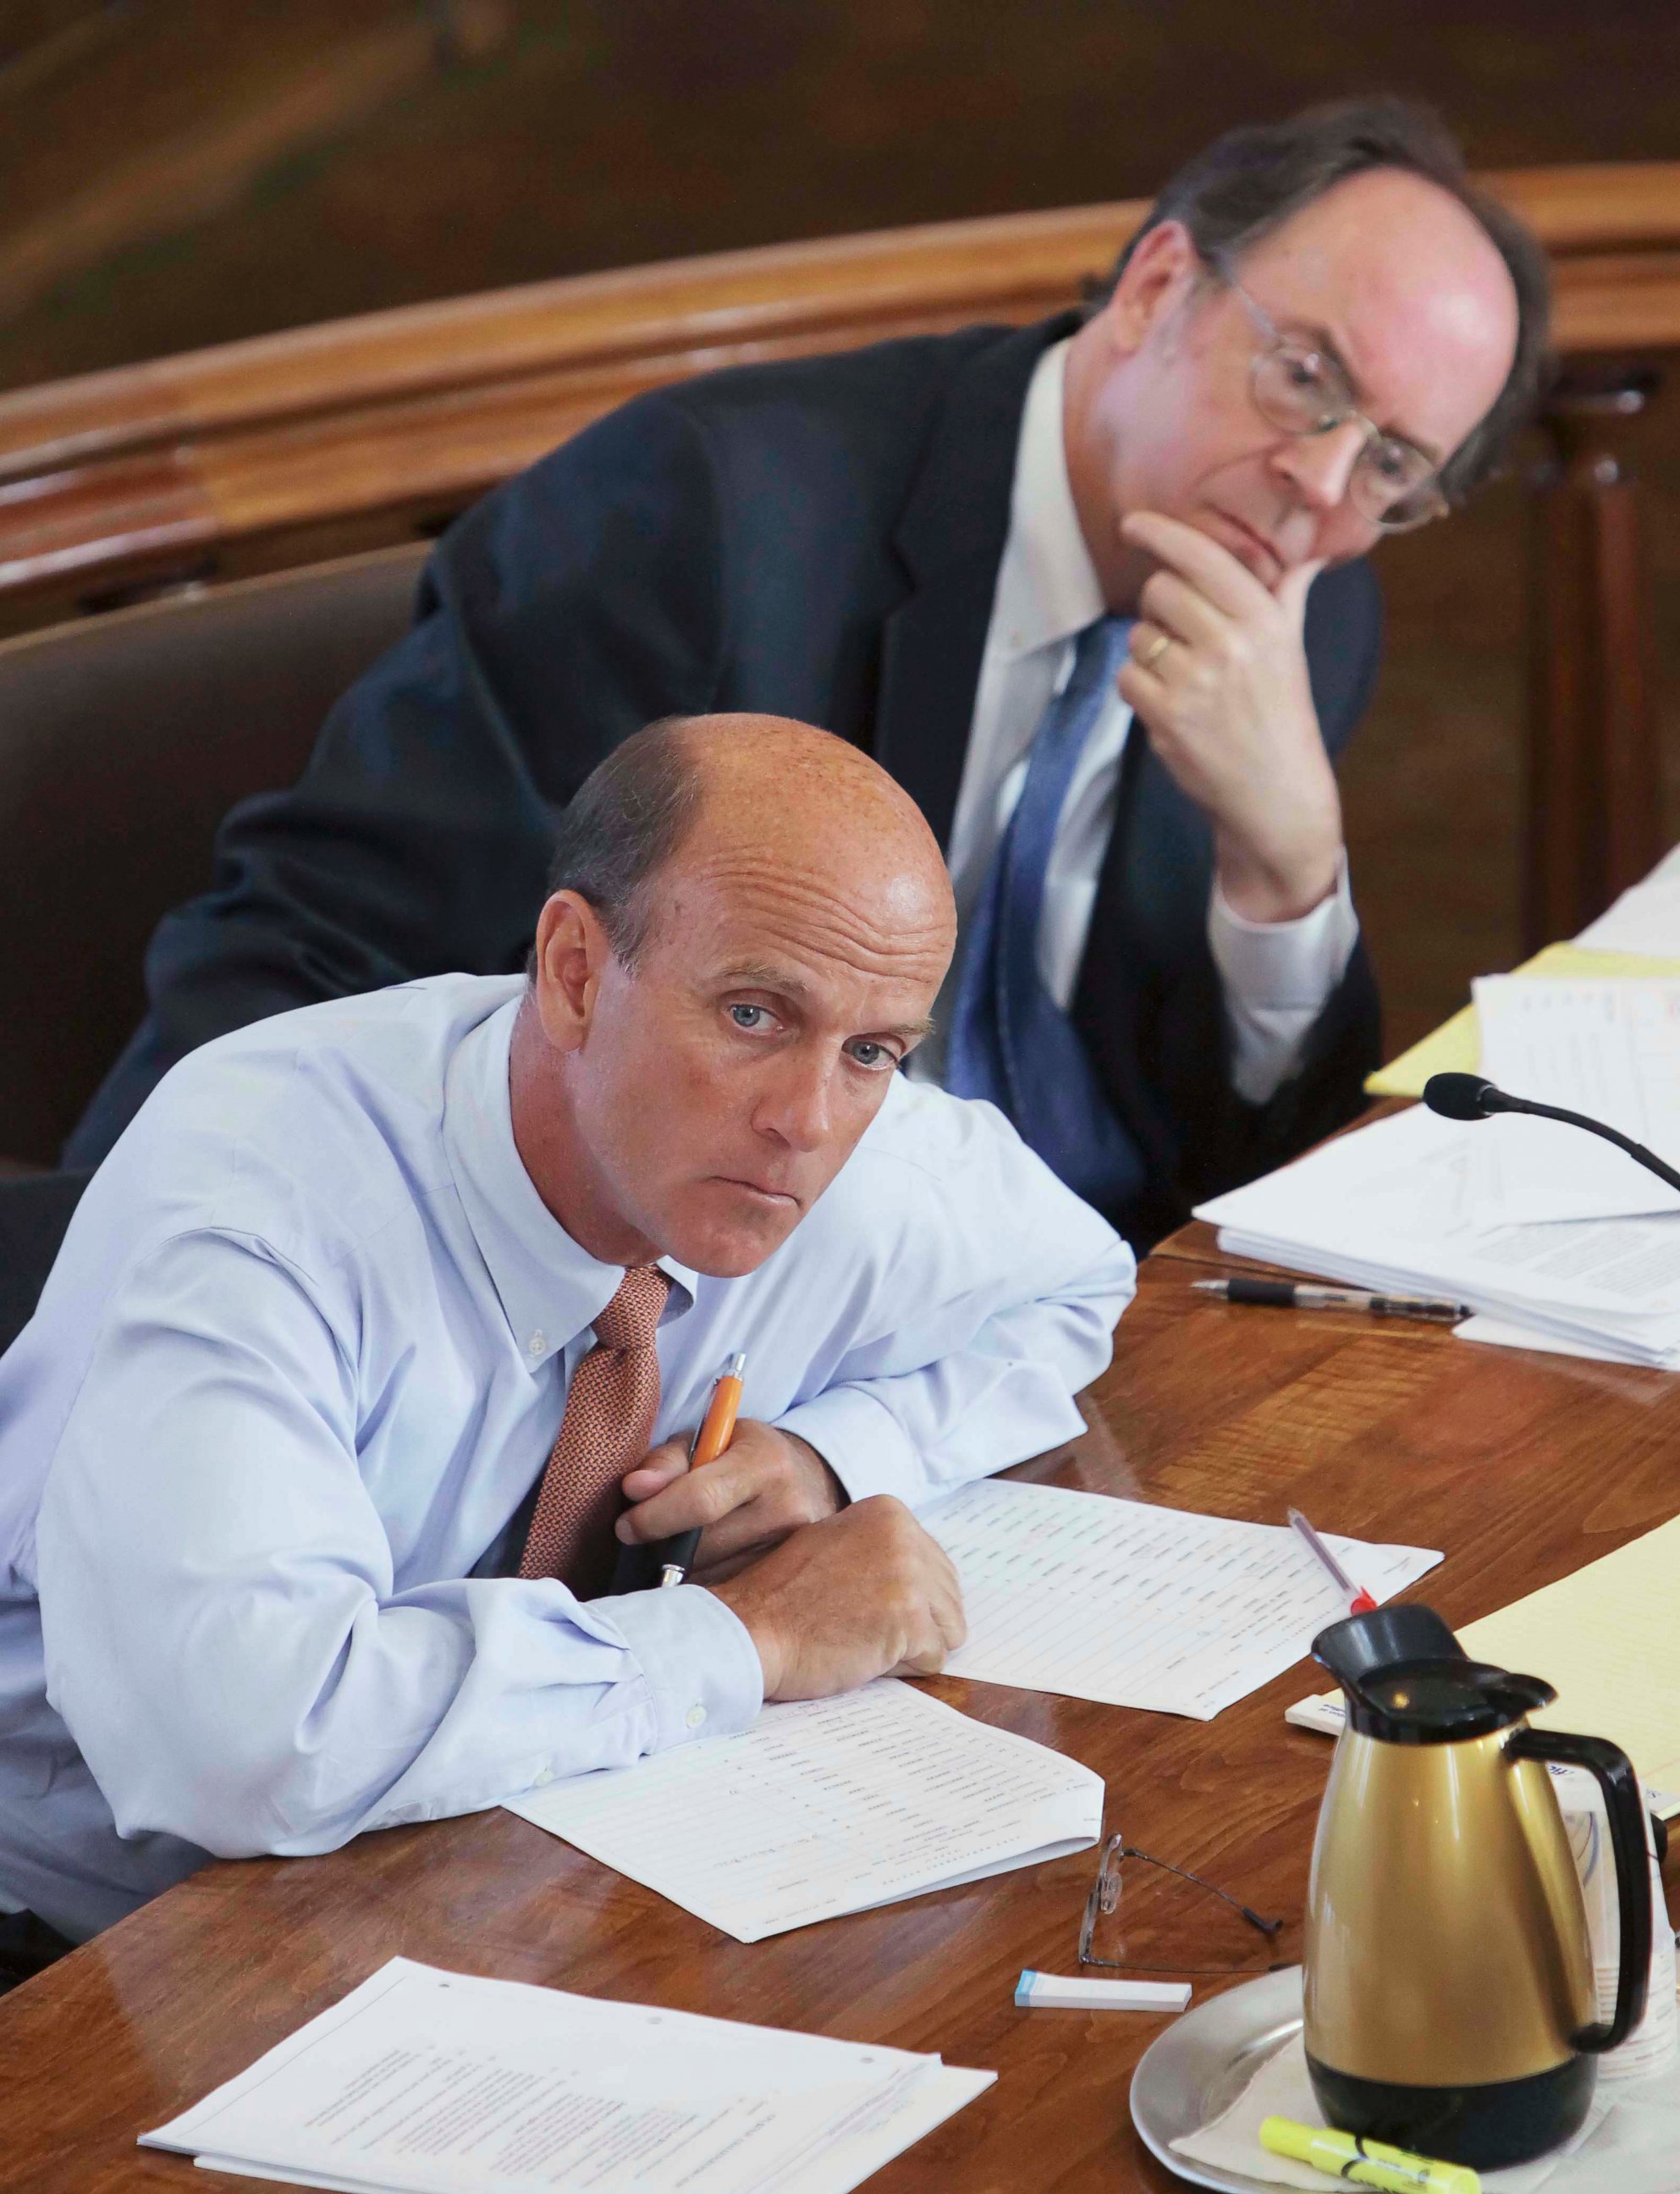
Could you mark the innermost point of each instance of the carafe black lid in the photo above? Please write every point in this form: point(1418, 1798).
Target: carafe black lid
point(1408, 1680)
point(1442, 1702)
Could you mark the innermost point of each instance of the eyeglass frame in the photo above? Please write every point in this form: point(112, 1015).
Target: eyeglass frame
point(1115, 1849)
point(1346, 413)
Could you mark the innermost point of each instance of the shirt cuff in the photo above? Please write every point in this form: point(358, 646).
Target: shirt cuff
point(702, 1670)
point(861, 1442)
point(1284, 965)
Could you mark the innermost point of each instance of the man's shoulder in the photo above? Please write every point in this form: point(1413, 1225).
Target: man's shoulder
point(834, 420)
point(838, 383)
point(310, 1128)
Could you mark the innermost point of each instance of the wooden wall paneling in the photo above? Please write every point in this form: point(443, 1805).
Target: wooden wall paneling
point(1594, 816)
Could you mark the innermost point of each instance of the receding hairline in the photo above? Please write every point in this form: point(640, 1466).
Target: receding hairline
point(641, 808)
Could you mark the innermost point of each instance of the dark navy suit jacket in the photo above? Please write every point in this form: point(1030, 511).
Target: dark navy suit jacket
point(818, 540)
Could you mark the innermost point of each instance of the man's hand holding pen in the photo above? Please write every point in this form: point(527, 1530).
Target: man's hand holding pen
point(766, 1485)
point(830, 1600)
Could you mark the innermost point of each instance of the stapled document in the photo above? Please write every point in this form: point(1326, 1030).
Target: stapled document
point(430, 2082)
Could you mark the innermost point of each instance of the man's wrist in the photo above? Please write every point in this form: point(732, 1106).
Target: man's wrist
point(765, 1643)
point(1263, 891)
point(821, 1471)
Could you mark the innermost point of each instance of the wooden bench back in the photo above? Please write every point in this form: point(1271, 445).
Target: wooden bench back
point(272, 452)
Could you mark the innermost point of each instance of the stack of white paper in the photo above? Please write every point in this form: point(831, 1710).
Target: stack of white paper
point(430, 2082)
point(1609, 1048)
point(1136, 1606)
point(827, 1807)
point(1646, 919)
point(1394, 1208)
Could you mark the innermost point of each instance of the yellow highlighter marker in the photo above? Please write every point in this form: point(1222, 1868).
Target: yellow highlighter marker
point(1360, 2162)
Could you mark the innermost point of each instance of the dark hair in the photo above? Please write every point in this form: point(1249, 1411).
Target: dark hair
point(621, 826)
point(1252, 179)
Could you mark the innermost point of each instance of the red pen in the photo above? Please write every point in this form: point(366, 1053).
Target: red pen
point(1360, 1601)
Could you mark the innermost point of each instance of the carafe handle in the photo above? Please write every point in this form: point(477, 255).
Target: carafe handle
point(1612, 1770)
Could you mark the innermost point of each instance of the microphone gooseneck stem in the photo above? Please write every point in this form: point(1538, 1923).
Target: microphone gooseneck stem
point(1635, 1151)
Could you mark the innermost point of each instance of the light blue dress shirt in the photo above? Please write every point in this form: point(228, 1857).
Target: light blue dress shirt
point(304, 1354)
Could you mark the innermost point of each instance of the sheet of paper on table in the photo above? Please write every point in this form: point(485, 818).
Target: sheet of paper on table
point(432, 2082)
point(1456, 1047)
point(1610, 1049)
point(1138, 1605)
point(1645, 918)
point(1392, 1207)
point(827, 1807)
point(1608, 1638)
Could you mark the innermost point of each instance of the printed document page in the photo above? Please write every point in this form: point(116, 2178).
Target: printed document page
point(826, 1806)
point(1610, 1049)
point(1140, 1606)
point(1646, 918)
point(430, 2082)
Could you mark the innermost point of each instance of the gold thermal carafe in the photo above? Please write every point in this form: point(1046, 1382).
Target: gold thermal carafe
point(1447, 1974)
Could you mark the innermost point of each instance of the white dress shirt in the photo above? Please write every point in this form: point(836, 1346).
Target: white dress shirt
point(1277, 976)
point(302, 1357)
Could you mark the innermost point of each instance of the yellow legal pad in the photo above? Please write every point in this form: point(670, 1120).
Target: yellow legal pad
point(1456, 1047)
point(1608, 1638)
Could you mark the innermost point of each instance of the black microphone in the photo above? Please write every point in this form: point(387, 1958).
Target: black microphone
point(1472, 1097)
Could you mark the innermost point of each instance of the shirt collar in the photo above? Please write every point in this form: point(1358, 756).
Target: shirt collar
point(550, 1289)
point(1048, 586)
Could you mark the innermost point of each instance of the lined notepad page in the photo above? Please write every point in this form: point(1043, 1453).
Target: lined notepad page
point(1608, 1638)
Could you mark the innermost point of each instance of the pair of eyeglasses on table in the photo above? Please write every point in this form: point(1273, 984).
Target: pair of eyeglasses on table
point(1201, 1920)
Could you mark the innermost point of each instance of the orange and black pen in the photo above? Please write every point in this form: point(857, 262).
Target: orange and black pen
point(716, 1431)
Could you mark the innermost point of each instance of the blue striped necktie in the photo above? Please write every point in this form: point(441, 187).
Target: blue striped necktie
point(1010, 1041)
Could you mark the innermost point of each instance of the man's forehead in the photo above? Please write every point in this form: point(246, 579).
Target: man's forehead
point(750, 905)
point(1395, 277)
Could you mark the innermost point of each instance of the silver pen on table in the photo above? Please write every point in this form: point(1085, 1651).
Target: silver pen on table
point(1300, 1294)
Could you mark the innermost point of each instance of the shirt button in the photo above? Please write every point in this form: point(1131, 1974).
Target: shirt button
point(537, 1344)
point(543, 1779)
point(695, 1716)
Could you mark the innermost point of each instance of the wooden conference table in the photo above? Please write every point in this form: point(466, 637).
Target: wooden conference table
point(1522, 1466)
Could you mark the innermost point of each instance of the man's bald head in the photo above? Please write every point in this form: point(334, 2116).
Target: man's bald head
point(748, 926)
point(752, 789)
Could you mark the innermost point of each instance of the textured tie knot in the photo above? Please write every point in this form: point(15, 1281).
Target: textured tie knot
point(631, 1317)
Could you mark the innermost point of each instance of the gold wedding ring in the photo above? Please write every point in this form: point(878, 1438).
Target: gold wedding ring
point(1157, 647)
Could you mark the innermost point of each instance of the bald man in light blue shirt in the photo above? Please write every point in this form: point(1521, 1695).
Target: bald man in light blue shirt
point(269, 1449)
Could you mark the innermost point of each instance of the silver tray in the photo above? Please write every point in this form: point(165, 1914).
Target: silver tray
point(1202, 2063)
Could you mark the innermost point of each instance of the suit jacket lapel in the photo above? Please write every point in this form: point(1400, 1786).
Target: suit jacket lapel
point(950, 536)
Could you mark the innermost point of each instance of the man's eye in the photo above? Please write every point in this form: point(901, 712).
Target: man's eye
point(871, 1054)
point(752, 1017)
point(1396, 465)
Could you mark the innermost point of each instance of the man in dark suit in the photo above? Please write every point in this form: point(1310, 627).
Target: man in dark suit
point(1056, 579)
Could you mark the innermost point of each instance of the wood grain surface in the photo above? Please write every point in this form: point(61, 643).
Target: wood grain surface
point(196, 464)
point(1520, 1467)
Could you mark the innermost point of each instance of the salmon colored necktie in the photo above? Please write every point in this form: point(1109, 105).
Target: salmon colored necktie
point(607, 1427)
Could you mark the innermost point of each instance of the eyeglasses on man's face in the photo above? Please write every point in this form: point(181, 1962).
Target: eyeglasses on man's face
point(1145, 1916)
point(1301, 390)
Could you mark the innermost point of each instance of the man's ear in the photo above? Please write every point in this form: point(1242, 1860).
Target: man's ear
point(572, 949)
point(1161, 269)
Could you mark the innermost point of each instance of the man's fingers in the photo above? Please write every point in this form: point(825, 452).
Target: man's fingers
point(1181, 610)
point(1292, 590)
point(1224, 579)
point(656, 1471)
point(693, 1496)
